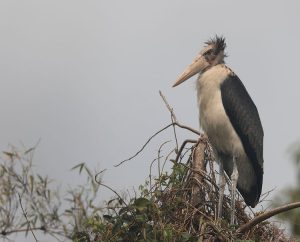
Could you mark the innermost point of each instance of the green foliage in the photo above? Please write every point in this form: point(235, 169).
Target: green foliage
point(175, 206)
point(291, 194)
point(28, 201)
point(80, 217)
point(142, 219)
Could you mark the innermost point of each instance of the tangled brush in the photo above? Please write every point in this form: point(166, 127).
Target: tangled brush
point(195, 203)
point(182, 205)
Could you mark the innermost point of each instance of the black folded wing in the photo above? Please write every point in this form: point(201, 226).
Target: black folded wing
point(244, 117)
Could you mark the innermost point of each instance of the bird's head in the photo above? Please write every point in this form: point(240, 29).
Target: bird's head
point(211, 55)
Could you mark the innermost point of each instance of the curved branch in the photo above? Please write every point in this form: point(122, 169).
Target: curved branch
point(262, 217)
point(109, 188)
point(143, 147)
point(182, 147)
point(147, 142)
point(187, 127)
point(174, 123)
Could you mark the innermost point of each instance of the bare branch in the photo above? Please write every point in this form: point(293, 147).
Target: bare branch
point(182, 147)
point(159, 156)
point(174, 123)
point(168, 106)
point(187, 127)
point(173, 117)
point(262, 217)
point(101, 184)
point(143, 147)
point(266, 194)
point(4, 233)
point(148, 141)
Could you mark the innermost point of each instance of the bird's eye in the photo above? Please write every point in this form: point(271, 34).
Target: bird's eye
point(208, 52)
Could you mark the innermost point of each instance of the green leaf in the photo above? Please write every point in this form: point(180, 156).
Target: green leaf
point(9, 154)
point(167, 233)
point(81, 237)
point(29, 150)
point(88, 172)
point(185, 237)
point(141, 203)
point(140, 218)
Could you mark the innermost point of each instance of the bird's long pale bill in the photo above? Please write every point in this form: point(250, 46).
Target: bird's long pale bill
point(198, 65)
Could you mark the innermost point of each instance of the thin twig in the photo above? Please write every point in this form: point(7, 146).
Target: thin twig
point(173, 116)
point(4, 233)
point(25, 215)
point(166, 159)
point(174, 123)
point(187, 127)
point(175, 134)
point(143, 147)
point(147, 142)
point(202, 173)
point(150, 174)
point(266, 194)
point(101, 184)
point(262, 217)
point(151, 164)
point(182, 147)
point(168, 106)
point(159, 156)
point(98, 174)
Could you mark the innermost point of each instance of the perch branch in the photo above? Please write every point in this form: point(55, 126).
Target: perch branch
point(262, 217)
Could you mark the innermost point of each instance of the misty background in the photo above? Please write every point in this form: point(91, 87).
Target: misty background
point(83, 78)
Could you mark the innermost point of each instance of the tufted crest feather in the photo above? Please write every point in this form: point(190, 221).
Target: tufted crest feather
point(218, 43)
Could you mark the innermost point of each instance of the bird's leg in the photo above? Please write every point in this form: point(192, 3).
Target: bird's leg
point(234, 177)
point(222, 183)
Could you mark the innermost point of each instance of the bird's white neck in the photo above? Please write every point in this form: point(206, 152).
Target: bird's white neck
point(210, 80)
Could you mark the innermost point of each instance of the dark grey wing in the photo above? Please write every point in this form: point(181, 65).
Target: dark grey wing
point(244, 117)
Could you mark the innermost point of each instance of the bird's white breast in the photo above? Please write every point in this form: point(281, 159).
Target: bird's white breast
point(213, 118)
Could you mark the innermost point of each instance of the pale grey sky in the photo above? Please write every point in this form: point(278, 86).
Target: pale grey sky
point(84, 77)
